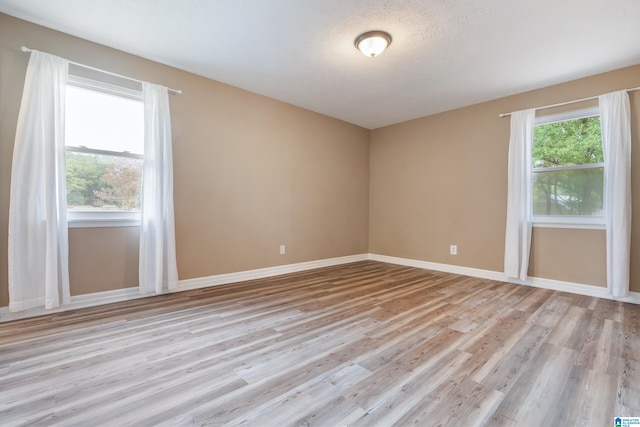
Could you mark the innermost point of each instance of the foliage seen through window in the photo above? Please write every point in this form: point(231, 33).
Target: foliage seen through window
point(568, 175)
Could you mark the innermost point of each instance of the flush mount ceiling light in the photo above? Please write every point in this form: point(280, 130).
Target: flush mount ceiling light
point(373, 43)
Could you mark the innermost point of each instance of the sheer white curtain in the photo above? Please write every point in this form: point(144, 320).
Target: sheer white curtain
point(518, 231)
point(38, 240)
point(615, 122)
point(158, 271)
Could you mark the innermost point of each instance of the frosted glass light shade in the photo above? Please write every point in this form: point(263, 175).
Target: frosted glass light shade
point(373, 43)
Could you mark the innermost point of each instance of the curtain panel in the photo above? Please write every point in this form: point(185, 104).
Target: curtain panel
point(38, 240)
point(158, 272)
point(615, 122)
point(38, 229)
point(518, 228)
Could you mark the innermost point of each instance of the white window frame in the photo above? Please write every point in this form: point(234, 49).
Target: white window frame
point(566, 221)
point(92, 218)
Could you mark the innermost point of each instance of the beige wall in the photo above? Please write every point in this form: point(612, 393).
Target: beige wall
point(251, 173)
point(585, 265)
point(441, 180)
point(115, 267)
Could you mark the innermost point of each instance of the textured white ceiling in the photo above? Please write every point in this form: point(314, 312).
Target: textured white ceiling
point(445, 54)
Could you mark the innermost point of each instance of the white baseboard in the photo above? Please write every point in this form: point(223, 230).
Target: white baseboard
point(77, 301)
point(445, 268)
point(537, 282)
point(261, 273)
point(127, 294)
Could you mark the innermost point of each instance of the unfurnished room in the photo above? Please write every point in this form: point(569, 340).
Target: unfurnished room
point(319, 213)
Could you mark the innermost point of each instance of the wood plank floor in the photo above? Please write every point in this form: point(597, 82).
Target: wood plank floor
point(363, 344)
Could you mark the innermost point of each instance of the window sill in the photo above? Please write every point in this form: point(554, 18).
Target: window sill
point(584, 223)
point(89, 219)
point(99, 223)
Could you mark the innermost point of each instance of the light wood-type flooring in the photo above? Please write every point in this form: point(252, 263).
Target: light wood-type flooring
point(363, 344)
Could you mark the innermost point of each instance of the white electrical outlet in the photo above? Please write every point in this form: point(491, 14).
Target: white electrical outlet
point(453, 250)
point(282, 250)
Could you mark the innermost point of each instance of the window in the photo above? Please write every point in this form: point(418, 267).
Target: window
point(568, 170)
point(104, 138)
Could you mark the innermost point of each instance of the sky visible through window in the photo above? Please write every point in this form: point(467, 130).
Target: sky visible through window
point(104, 122)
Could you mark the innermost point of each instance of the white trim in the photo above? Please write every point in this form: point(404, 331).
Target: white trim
point(537, 108)
point(260, 273)
point(88, 67)
point(576, 288)
point(446, 268)
point(580, 113)
point(570, 168)
point(91, 218)
point(596, 222)
point(569, 221)
point(127, 294)
point(553, 224)
point(99, 223)
point(104, 87)
point(77, 301)
point(558, 285)
point(536, 282)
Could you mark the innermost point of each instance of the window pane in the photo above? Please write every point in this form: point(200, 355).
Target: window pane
point(568, 192)
point(100, 182)
point(568, 143)
point(102, 121)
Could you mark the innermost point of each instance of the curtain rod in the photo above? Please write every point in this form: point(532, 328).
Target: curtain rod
point(560, 104)
point(176, 91)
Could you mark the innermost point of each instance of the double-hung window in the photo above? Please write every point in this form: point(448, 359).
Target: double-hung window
point(104, 138)
point(568, 170)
